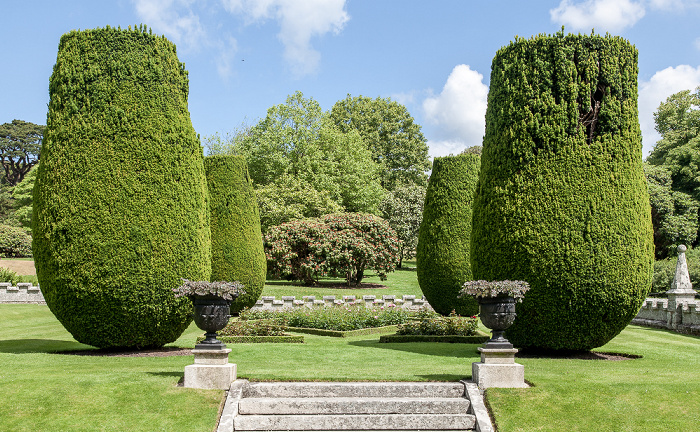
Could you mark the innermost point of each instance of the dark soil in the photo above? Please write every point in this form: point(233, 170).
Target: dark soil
point(155, 352)
point(577, 355)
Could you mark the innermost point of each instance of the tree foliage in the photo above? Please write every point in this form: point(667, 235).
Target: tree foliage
point(23, 197)
point(678, 122)
point(674, 214)
point(289, 199)
point(392, 135)
point(120, 200)
point(342, 245)
point(444, 239)
point(297, 140)
point(678, 152)
point(20, 144)
point(403, 210)
point(562, 201)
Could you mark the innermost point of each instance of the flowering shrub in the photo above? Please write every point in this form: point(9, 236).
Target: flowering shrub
point(440, 326)
point(252, 328)
point(361, 241)
point(341, 318)
point(342, 245)
point(226, 290)
point(297, 250)
point(482, 288)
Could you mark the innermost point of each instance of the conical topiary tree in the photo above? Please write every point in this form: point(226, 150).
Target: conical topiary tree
point(562, 201)
point(444, 236)
point(120, 200)
point(236, 239)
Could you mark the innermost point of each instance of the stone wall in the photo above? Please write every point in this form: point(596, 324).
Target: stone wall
point(406, 302)
point(24, 292)
point(682, 317)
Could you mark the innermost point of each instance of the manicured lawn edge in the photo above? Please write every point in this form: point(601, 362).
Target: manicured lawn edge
point(343, 334)
point(476, 339)
point(258, 339)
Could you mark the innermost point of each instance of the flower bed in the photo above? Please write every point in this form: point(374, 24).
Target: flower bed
point(436, 328)
point(336, 318)
point(257, 331)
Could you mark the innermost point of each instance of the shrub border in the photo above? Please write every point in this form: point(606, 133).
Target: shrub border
point(342, 334)
point(258, 339)
point(479, 338)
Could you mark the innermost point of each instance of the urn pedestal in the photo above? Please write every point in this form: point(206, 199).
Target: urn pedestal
point(497, 367)
point(211, 369)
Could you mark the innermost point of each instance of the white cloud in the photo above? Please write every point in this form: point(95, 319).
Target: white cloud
point(299, 21)
point(227, 52)
point(174, 19)
point(458, 112)
point(603, 15)
point(663, 84)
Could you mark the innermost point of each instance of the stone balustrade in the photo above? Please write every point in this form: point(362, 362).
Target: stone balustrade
point(405, 302)
point(24, 292)
point(682, 317)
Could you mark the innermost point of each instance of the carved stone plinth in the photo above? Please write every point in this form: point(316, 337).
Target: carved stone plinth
point(211, 370)
point(498, 368)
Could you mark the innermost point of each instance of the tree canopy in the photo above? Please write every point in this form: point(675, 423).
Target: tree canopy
point(297, 140)
point(674, 214)
point(20, 143)
point(390, 132)
point(678, 121)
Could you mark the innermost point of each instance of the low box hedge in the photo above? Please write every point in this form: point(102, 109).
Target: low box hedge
point(342, 334)
point(478, 338)
point(258, 339)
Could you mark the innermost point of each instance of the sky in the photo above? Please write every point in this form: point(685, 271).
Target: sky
point(245, 56)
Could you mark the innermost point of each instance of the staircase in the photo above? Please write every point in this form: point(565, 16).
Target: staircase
point(354, 406)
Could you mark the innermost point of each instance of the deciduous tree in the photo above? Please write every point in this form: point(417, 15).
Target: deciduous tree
point(392, 135)
point(20, 143)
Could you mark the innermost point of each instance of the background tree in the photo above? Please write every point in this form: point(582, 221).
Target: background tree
point(290, 198)
point(390, 132)
point(674, 214)
point(297, 140)
point(562, 201)
point(678, 121)
point(403, 210)
point(20, 144)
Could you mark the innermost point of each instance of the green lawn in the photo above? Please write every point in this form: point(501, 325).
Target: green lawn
point(41, 391)
point(398, 283)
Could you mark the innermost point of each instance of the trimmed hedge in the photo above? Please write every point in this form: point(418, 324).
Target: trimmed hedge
point(237, 252)
point(562, 201)
point(479, 338)
point(120, 200)
point(442, 255)
point(258, 339)
point(343, 333)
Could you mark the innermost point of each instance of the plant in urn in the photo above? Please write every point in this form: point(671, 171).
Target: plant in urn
point(212, 303)
point(496, 306)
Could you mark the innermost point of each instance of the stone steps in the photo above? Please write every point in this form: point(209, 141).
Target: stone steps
point(359, 406)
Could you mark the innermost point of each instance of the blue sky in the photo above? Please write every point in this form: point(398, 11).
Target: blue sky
point(245, 56)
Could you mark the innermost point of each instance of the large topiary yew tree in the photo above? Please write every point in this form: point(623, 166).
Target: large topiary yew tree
point(562, 201)
point(120, 201)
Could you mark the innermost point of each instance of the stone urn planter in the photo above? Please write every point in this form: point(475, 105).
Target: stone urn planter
point(212, 304)
point(497, 301)
point(497, 314)
point(211, 314)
